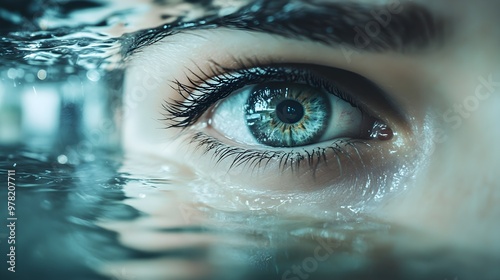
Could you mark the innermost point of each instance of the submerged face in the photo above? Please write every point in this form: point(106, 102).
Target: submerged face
point(385, 109)
point(288, 136)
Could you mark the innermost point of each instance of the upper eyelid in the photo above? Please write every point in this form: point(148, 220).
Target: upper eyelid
point(386, 108)
point(415, 27)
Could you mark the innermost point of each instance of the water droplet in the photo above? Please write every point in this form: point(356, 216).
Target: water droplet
point(42, 74)
point(12, 73)
point(62, 159)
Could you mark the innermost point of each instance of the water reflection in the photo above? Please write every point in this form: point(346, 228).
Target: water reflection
point(55, 206)
point(135, 219)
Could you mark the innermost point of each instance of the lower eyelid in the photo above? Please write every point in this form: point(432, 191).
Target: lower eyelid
point(347, 163)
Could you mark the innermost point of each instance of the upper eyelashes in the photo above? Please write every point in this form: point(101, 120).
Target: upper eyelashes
point(202, 91)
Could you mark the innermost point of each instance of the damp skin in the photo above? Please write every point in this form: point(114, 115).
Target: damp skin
point(412, 81)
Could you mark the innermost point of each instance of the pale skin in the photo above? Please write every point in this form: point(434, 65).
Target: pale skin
point(451, 193)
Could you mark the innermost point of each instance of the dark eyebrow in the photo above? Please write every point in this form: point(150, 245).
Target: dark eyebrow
point(396, 27)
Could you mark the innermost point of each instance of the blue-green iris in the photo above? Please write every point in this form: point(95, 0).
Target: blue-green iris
point(286, 114)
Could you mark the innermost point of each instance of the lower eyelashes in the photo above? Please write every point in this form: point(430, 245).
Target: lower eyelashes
point(344, 171)
point(292, 160)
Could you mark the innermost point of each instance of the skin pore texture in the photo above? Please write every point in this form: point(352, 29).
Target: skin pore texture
point(438, 174)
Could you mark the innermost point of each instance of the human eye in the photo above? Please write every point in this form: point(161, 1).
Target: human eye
point(269, 115)
point(270, 122)
point(279, 106)
point(293, 115)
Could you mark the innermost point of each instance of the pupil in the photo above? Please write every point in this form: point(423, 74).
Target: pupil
point(289, 111)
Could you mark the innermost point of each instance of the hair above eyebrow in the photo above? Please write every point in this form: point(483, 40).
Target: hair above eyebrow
point(394, 27)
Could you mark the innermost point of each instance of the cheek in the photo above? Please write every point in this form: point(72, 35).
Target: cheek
point(457, 195)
